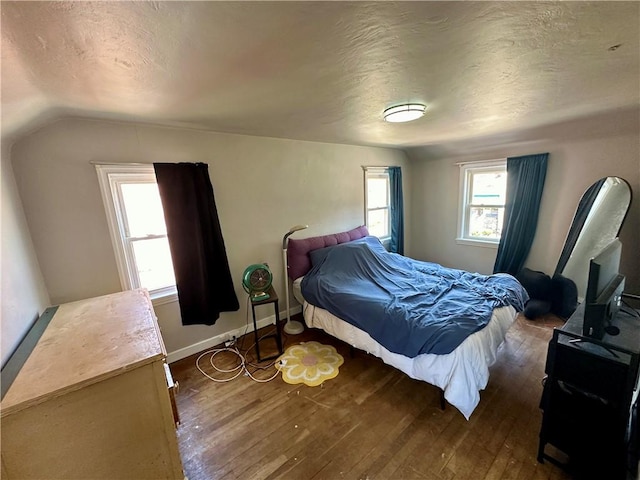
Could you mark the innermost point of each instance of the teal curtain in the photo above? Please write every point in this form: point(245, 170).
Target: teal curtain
point(396, 209)
point(525, 182)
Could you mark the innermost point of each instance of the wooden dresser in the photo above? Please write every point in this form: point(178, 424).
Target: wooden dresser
point(92, 401)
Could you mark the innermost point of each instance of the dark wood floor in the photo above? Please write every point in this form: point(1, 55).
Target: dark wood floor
point(370, 422)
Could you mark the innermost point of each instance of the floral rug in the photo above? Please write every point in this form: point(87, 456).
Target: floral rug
point(310, 363)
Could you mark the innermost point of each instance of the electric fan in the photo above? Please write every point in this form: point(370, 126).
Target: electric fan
point(256, 280)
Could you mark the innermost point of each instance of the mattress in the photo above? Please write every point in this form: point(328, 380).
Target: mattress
point(461, 374)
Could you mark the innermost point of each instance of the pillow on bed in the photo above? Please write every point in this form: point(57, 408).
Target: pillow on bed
point(298, 250)
point(319, 254)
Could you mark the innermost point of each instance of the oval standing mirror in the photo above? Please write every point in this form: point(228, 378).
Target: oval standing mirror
point(597, 221)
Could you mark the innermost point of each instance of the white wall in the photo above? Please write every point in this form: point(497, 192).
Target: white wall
point(24, 296)
point(262, 187)
point(581, 152)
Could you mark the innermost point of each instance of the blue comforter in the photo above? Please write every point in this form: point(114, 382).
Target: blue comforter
point(409, 307)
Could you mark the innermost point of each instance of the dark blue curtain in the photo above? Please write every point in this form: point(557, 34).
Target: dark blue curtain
point(525, 182)
point(203, 279)
point(396, 208)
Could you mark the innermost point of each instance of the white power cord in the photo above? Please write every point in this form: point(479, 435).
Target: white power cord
point(241, 368)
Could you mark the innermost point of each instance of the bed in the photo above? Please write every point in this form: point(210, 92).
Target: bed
point(351, 288)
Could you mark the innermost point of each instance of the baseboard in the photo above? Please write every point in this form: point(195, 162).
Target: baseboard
point(223, 337)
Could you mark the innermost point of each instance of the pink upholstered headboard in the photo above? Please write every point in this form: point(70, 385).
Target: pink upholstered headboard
point(298, 250)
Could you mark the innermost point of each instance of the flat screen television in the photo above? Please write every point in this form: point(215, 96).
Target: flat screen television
point(604, 291)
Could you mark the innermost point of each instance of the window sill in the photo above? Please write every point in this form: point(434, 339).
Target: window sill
point(386, 241)
point(163, 299)
point(477, 243)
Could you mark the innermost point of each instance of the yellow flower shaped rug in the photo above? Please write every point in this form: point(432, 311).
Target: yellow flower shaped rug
point(310, 363)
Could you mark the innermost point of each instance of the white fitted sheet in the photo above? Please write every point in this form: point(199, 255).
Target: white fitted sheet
point(297, 290)
point(462, 374)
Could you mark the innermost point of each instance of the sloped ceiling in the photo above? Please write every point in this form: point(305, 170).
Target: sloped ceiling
point(320, 71)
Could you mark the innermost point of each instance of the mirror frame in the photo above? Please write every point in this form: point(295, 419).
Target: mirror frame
point(586, 202)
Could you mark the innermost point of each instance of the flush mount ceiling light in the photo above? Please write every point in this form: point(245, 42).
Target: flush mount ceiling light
point(404, 113)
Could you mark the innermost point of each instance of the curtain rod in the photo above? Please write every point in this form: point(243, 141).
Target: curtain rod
point(480, 161)
point(93, 162)
point(379, 167)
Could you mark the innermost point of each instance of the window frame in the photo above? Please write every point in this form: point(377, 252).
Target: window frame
point(110, 177)
point(377, 173)
point(467, 170)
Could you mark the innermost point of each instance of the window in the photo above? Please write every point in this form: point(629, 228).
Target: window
point(483, 188)
point(138, 232)
point(376, 200)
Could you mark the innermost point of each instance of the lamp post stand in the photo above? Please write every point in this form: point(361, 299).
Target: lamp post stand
point(292, 327)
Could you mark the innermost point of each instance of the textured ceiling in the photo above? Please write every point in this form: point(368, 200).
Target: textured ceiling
point(320, 71)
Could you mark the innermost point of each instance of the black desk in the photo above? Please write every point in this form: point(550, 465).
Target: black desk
point(588, 395)
point(273, 298)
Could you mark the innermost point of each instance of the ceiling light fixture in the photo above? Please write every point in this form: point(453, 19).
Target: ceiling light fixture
point(404, 113)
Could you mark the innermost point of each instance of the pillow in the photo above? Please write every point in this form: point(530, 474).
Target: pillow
point(318, 255)
point(564, 296)
point(298, 250)
point(537, 284)
point(536, 308)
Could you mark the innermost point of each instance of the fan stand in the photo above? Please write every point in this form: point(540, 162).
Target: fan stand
point(259, 296)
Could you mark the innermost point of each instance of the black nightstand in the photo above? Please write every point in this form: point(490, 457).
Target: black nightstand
point(273, 298)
